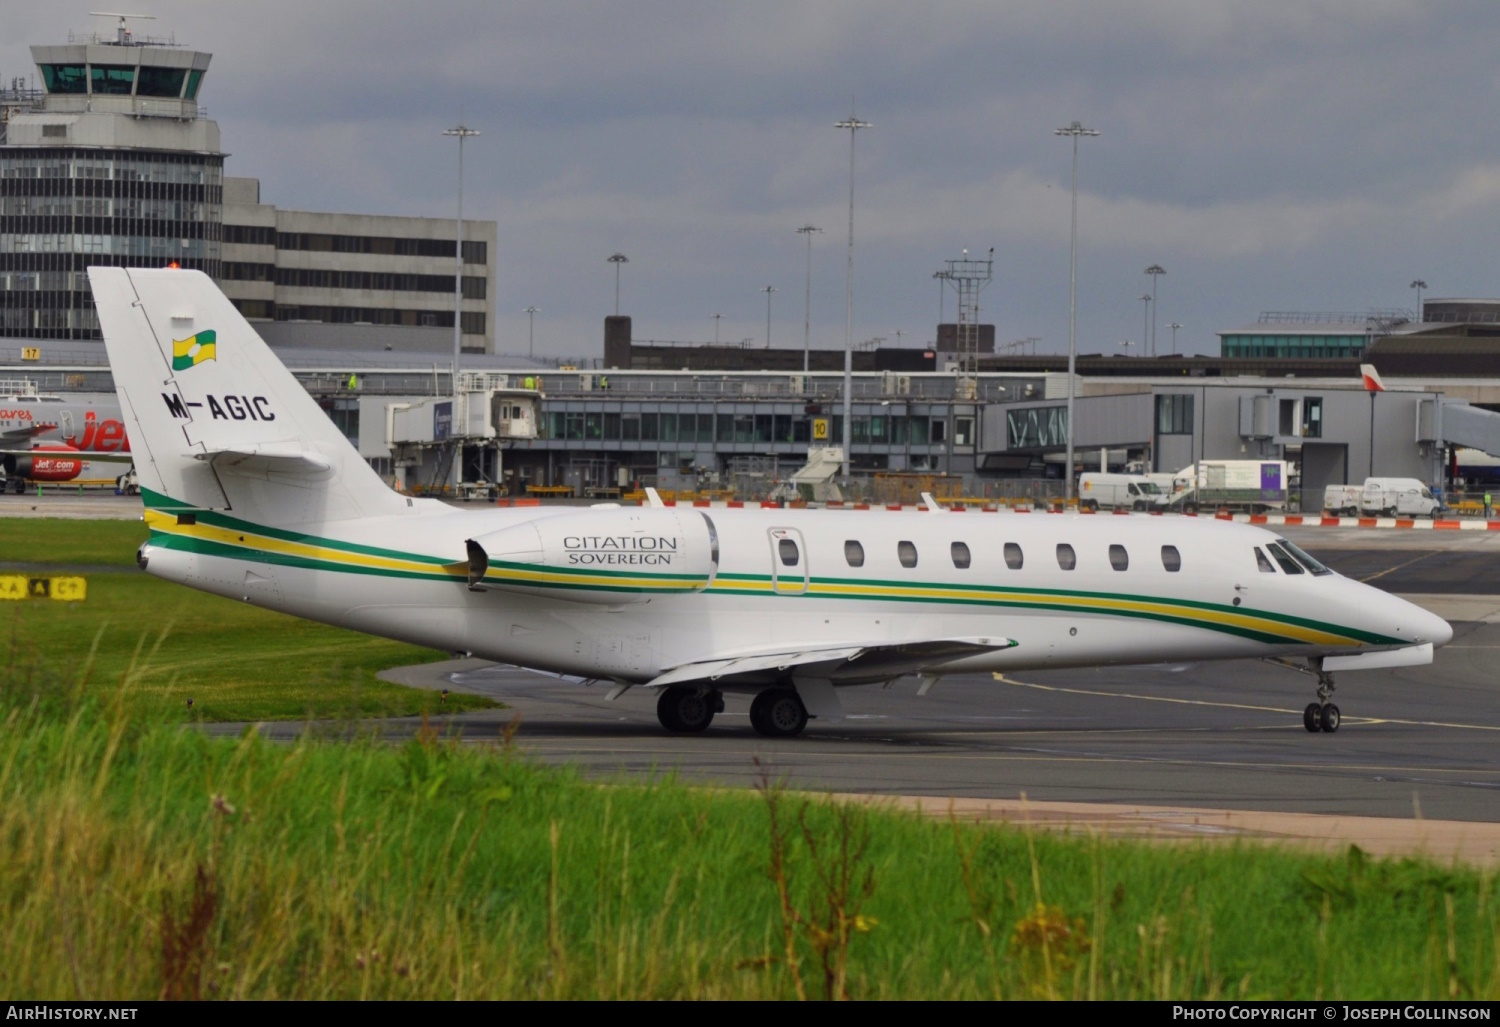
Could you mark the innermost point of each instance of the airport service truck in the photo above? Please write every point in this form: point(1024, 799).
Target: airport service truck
point(1242, 486)
point(1119, 492)
point(1383, 497)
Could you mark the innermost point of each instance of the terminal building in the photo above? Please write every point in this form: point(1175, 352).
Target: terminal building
point(115, 161)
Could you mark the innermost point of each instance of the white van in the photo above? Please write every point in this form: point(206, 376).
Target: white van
point(1398, 497)
point(1119, 491)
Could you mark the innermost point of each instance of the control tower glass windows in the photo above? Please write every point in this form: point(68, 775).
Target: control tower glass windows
point(161, 82)
point(112, 80)
point(194, 78)
point(65, 78)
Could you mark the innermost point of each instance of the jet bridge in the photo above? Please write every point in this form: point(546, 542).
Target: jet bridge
point(1457, 423)
point(469, 429)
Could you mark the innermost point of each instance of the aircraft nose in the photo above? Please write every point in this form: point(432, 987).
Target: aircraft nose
point(1432, 628)
point(1423, 625)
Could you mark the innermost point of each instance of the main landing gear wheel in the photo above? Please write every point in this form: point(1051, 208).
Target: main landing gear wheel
point(778, 713)
point(1329, 719)
point(1312, 717)
point(687, 710)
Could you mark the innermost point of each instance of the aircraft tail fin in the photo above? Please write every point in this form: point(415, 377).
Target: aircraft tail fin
point(215, 420)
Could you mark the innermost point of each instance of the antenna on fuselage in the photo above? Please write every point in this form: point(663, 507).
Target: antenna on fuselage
point(931, 504)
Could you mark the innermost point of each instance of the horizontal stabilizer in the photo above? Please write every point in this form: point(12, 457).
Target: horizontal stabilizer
point(264, 459)
point(841, 664)
point(1407, 656)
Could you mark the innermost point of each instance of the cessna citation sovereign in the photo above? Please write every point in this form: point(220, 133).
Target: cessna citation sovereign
point(252, 493)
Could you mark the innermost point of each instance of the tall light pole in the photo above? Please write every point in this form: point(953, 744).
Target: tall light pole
point(617, 259)
point(717, 318)
point(1155, 271)
point(1174, 326)
point(460, 132)
point(807, 230)
point(1075, 130)
point(768, 290)
point(853, 124)
point(531, 313)
point(1419, 285)
point(1145, 321)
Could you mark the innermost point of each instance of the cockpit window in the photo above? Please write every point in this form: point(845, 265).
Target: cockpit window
point(1284, 559)
point(1302, 557)
point(1263, 563)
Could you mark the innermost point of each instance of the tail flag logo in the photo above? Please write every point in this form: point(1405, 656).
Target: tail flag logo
point(194, 350)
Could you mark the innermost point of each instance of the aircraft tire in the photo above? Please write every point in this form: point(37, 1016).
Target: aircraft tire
point(778, 713)
point(1312, 718)
point(684, 710)
point(1329, 719)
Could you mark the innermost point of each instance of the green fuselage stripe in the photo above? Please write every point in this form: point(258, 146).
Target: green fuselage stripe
point(991, 596)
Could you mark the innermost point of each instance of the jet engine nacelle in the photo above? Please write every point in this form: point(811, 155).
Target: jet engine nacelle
point(621, 555)
point(40, 465)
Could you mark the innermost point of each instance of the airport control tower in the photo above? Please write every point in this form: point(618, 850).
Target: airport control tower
point(113, 162)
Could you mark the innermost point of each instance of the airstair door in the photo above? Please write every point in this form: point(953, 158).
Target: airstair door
point(788, 562)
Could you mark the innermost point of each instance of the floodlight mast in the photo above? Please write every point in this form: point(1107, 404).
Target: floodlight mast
point(807, 230)
point(1155, 271)
point(461, 132)
point(853, 124)
point(1075, 130)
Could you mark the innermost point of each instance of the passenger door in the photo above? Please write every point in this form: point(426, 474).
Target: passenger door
point(788, 562)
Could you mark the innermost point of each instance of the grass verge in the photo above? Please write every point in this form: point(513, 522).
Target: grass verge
point(49, 540)
point(145, 861)
point(234, 660)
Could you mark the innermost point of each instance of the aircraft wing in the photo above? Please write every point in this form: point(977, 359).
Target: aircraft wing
point(860, 663)
point(18, 437)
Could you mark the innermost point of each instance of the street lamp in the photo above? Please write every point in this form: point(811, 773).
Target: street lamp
point(1126, 344)
point(1419, 285)
point(808, 231)
point(768, 290)
point(618, 259)
point(459, 132)
point(531, 313)
point(717, 318)
point(1174, 326)
point(1145, 321)
point(853, 124)
point(1155, 271)
point(1075, 130)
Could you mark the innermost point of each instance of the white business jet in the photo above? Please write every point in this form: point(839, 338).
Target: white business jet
point(252, 493)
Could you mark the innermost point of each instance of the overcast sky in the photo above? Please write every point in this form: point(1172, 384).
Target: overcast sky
point(1270, 154)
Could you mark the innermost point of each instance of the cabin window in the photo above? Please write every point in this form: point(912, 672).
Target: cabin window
point(1282, 557)
point(788, 550)
point(1066, 558)
point(1013, 556)
point(1118, 558)
point(1264, 564)
point(1171, 559)
point(1302, 557)
point(854, 554)
point(907, 553)
point(960, 555)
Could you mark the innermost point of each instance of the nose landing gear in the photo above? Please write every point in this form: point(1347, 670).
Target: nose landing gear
point(1322, 715)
